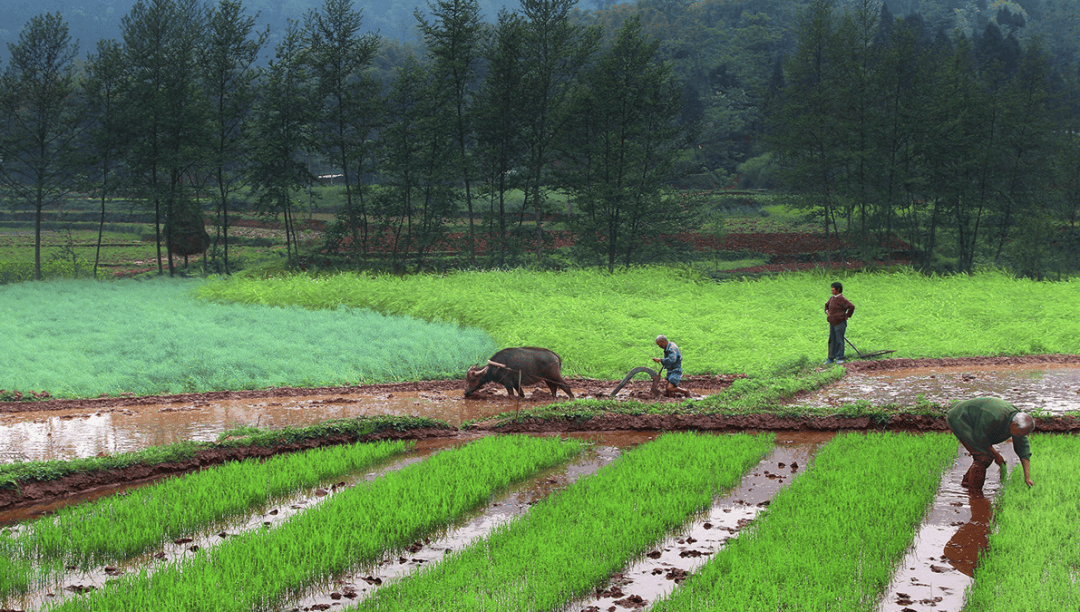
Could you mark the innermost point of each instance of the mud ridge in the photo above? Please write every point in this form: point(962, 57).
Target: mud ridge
point(34, 493)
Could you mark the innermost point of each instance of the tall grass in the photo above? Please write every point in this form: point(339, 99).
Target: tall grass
point(352, 529)
point(572, 542)
point(603, 325)
point(830, 540)
point(85, 338)
point(1032, 563)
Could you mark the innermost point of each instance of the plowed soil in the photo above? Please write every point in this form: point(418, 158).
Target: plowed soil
point(47, 492)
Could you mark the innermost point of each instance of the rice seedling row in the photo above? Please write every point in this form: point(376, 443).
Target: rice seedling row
point(429, 552)
point(121, 526)
point(354, 528)
point(572, 542)
point(1032, 562)
point(117, 528)
point(664, 567)
point(856, 509)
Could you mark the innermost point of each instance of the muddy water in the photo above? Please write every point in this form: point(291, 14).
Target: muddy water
point(65, 434)
point(1034, 387)
point(939, 566)
point(671, 561)
point(357, 586)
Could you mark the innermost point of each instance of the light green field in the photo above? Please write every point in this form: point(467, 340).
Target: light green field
point(84, 338)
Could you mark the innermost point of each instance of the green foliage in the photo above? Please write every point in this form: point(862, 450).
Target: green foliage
point(51, 269)
point(603, 325)
point(355, 527)
point(549, 557)
point(857, 509)
point(1033, 558)
point(12, 474)
point(83, 339)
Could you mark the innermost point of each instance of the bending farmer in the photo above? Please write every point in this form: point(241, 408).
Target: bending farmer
point(673, 362)
point(837, 311)
point(982, 422)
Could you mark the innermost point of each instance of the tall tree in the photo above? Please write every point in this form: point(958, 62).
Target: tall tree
point(40, 112)
point(499, 107)
point(166, 110)
point(341, 58)
point(228, 61)
point(453, 39)
point(620, 150)
point(804, 124)
point(554, 52)
point(282, 132)
point(416, 167)
point(105, 74)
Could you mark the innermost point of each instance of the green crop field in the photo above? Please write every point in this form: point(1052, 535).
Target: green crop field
point(831, 540)
point(353, 528)
point(603, 325)
point(84, 338)
point(1032, 563)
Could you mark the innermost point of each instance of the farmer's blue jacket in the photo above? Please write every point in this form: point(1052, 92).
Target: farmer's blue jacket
point(672, 360)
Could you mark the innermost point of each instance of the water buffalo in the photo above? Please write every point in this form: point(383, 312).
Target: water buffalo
point(514, 367)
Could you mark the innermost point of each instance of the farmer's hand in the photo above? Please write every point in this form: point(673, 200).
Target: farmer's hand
point(1027, 479)
point(656, 359)
point(998, 459)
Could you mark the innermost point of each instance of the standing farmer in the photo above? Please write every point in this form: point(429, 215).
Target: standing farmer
point(673, 362)
point(837, 311)
point(982, 422)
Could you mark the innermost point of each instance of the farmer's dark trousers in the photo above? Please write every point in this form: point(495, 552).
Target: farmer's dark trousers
point(976, 474)
point(836, 341)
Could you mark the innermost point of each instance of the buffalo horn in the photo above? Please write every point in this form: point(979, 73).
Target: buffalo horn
point(496, 364)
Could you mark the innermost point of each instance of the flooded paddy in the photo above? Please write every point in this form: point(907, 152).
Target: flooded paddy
point(106, 427)
point(1041, 387)
point(933, 576)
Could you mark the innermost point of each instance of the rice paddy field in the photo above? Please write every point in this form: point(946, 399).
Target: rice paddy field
point(831, 539)
point(274, 535)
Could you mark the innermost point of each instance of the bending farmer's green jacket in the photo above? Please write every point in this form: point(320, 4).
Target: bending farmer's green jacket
point(983, 422)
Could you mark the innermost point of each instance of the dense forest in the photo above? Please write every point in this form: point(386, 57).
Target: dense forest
point(951, 126)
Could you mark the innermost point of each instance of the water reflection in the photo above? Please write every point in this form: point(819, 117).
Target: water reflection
point(1031, 387)
point(68, 434)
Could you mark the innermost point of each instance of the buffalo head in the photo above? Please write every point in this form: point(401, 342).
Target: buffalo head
point(474, 379)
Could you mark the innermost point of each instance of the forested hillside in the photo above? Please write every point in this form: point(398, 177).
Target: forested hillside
point(948, 128)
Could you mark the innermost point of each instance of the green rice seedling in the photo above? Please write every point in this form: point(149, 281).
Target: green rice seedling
point(122, 526)
point(15, 576)
point(349, 530)
point(86, 338)
point(830, 540)
point(571, 543)
point(1032, 563)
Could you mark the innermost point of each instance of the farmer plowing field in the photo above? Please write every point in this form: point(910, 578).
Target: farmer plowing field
point(981, 423)
point(672, 361)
